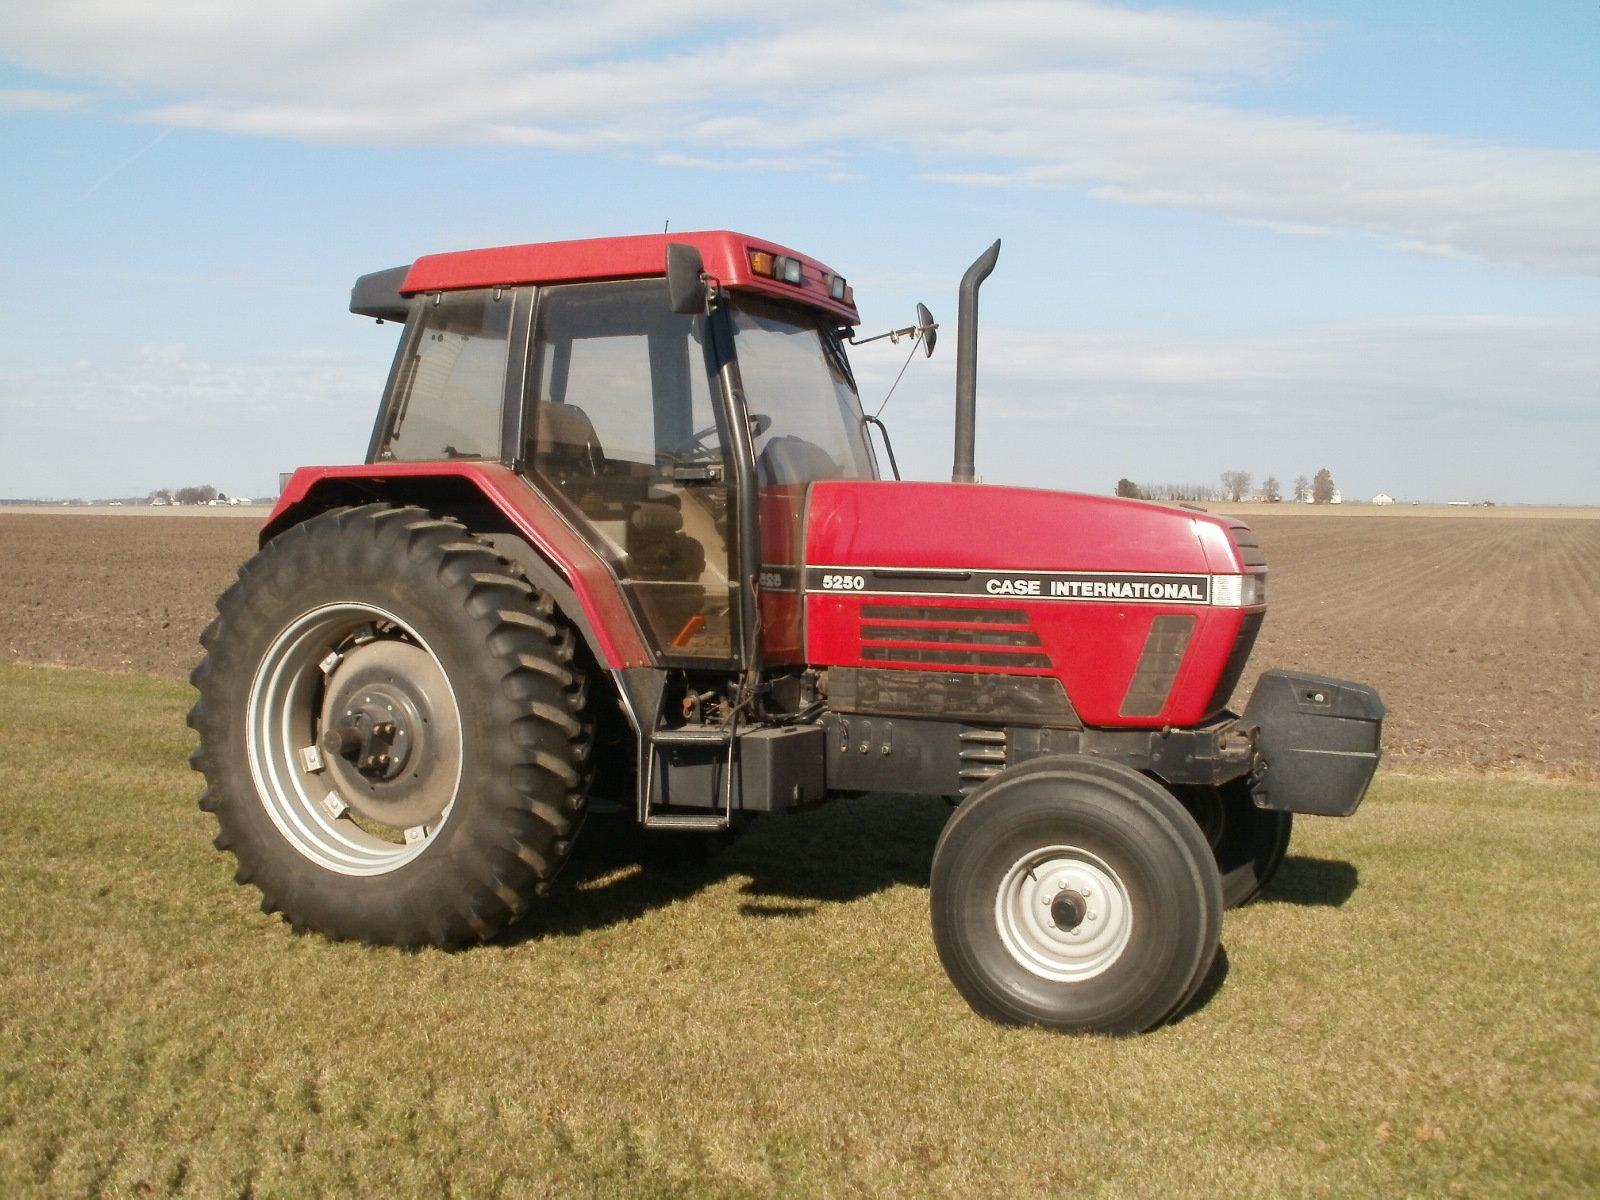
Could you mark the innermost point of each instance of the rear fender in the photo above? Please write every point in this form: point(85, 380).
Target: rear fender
point(496, 502)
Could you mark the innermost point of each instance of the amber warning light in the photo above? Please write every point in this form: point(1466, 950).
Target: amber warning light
point(790, 270)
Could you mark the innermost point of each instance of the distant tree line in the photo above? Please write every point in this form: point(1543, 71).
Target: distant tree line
point(202, 493)
point(1234, 488)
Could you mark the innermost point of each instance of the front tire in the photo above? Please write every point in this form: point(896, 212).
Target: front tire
point(1077, 895)
point(1248, 843)
point(392, 730)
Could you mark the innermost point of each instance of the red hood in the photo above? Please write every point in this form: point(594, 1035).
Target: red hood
point(965, 525)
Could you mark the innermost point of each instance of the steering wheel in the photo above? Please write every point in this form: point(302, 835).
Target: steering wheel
point(697, 448)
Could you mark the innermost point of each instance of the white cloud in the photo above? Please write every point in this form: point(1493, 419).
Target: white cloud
point(40, 100)
point(694, 162)
point(1468, 369)
point(1420, 408)
point(1131, 106)
point(1439, 408)
point(164, 414)
point(160, 384)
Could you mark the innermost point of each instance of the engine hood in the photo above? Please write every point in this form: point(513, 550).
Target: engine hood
point(963, 526)
point(1143, 612)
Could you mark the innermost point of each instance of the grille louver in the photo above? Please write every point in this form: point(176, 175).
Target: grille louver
point(933, 635)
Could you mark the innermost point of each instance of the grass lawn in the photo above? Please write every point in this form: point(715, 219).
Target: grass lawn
point(1414, 1008)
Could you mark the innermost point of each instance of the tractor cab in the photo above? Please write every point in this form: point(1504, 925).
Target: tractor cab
point(639, 421)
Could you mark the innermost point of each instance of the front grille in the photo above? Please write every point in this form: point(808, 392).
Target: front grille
point(952, 658)
point(962, 637)
point(951, 636)
point(947, 615)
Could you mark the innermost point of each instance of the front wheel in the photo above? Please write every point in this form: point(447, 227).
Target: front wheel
point(1248, 843)
point(1077, 895)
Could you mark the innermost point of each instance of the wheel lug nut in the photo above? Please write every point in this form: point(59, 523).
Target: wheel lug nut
point(1093, 915)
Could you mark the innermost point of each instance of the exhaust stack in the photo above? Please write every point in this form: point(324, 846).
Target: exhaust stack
point(967, 364)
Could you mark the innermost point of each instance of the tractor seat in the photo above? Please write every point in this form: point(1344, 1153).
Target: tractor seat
point(566, 450)
point(658, 549)
point(564, 441)
point(788, 459)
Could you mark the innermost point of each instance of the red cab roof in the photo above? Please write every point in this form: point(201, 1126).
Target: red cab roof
point(726, 255)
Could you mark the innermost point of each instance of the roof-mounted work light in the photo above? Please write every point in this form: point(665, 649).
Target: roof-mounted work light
point(777, 266)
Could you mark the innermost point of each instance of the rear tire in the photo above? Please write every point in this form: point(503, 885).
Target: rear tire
point(1028, 857)
point(441, 830)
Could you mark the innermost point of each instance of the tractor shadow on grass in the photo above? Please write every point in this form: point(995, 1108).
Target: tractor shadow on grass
point(1313, 882)
point(792, 862)
point(1209, 987)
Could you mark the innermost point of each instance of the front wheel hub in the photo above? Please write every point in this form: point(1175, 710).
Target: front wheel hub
point(1063, 913)
point(1068, 909)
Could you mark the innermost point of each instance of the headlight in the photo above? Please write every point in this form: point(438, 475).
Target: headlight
point(1238, 591)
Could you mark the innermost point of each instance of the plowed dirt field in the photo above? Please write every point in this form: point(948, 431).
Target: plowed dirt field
point(1483, 635)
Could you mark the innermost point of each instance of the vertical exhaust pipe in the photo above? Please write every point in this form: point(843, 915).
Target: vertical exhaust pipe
point(967, 364)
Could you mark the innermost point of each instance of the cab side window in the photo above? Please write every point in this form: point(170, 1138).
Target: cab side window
point(450, 386)
point(621, 426)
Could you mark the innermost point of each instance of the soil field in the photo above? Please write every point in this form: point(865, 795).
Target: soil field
point(1329, 512)
point(1482, 635)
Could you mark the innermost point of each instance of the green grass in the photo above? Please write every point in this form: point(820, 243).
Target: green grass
point(1413, 1009)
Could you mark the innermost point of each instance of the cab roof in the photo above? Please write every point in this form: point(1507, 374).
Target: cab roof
point(726, 255)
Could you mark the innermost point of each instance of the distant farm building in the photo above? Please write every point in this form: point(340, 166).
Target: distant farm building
point(1383, 498)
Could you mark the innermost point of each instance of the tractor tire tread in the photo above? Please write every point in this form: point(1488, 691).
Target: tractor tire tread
point(521, 800)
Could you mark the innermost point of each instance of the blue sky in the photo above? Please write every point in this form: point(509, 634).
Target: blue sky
point(1272, 238)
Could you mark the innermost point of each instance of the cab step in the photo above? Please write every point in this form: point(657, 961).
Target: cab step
point(707, 821)
point(719, 738)
point(696, 735)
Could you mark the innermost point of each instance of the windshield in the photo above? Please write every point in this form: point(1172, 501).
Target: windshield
point(801, 397)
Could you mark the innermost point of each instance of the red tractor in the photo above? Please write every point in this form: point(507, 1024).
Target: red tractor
point(621, 532)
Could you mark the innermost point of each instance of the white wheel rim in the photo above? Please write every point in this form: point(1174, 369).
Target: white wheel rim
point(1038, 888)
point(280, 723)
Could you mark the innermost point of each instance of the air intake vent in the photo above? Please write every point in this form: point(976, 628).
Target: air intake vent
point(983, 756)
point(959, 637)
point(1164, 649)
point(963, 616)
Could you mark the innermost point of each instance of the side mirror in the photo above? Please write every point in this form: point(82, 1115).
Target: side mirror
point(686, 284)
point(928, 328)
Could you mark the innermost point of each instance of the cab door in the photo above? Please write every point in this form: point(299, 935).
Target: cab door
point(622, 428)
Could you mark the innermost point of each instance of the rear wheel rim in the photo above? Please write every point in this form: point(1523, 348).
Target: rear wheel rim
point(303, 788)
point(1046, 889)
